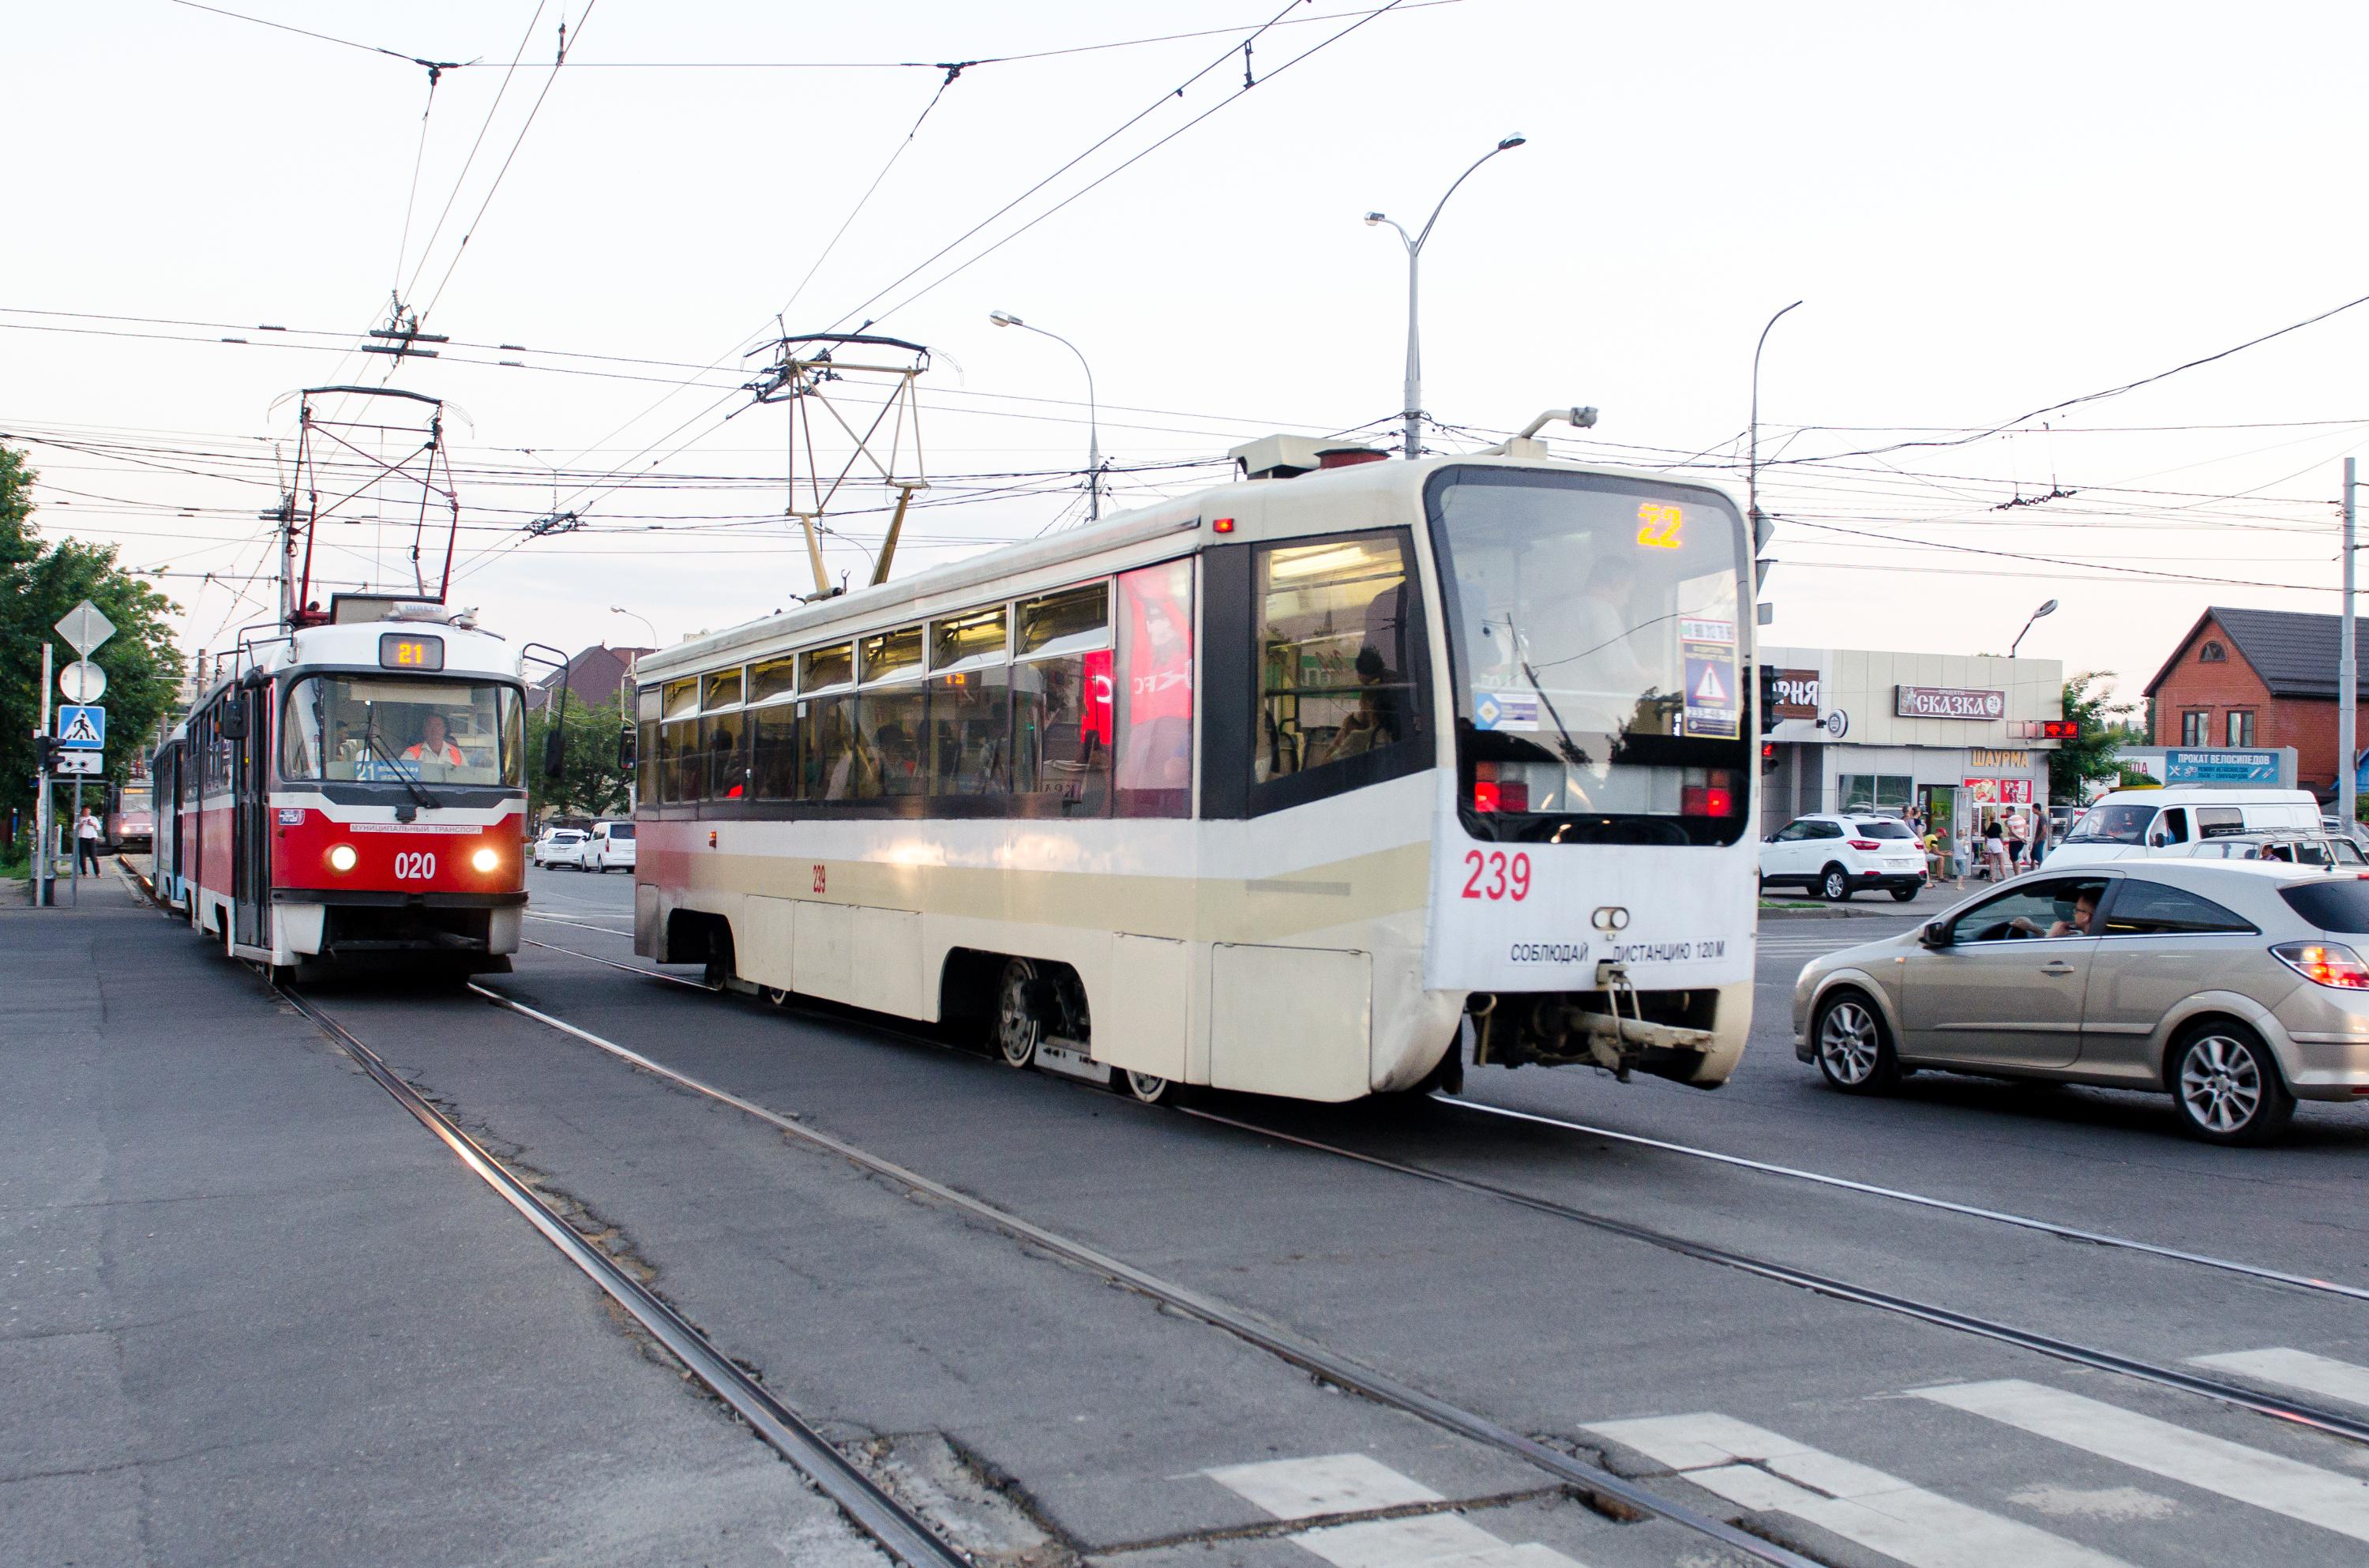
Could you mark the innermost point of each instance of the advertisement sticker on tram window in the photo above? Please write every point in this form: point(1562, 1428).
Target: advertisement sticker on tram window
point(1512, 711)
point(1694, 631)
point(1712, 703)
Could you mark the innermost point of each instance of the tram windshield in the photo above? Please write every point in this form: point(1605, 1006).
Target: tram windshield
point(388, 728)
point(1600, 656)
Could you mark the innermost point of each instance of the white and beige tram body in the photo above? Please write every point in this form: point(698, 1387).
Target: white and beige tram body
point(351, 793)
point(1317, 783)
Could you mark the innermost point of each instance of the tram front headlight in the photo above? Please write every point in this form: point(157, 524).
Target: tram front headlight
point(342, 858)
point(486, 859)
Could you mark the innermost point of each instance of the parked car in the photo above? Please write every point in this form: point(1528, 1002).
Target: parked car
point(2322, 849)
point(2236, 987)
point(2356, 831)
point(2139, 821)
point(1836, 856)
point(561, 846)
point(609, 848)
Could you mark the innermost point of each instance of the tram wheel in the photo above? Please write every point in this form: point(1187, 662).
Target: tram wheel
point(1017, 1027)
point(1147, 1087)
point(777, 995)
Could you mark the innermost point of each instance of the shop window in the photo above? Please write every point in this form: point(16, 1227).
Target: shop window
point(2194, 727)
point(1876, 792)
point(1152, 691)
point(2239, 727)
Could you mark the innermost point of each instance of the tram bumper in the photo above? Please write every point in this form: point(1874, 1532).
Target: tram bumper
point(365, 927)
point(1693, 1035)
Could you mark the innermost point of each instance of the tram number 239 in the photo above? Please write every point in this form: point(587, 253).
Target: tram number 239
point(415, 865)
point(1496, 875)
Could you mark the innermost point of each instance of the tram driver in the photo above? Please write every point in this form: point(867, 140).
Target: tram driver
point(435, 745)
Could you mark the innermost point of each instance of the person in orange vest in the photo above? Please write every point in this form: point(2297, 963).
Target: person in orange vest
point(434, 745)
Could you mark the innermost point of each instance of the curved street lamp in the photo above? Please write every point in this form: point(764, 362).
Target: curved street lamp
point(2047, 609)
point(1093, 416)
point(1414, 414)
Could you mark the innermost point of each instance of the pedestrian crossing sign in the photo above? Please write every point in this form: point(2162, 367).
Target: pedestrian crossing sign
point(82, 727)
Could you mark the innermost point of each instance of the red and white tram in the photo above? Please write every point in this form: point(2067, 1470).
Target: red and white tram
point(352, 793)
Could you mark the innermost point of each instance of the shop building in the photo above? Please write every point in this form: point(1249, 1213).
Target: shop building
point(1959, 738)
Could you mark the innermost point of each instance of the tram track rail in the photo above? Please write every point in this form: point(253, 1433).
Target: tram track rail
point(2235, 1395)
point(1319, 1360)
point(899, 1531)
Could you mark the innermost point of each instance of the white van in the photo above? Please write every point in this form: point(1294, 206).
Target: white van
point(2131, 822)
point(611, 847)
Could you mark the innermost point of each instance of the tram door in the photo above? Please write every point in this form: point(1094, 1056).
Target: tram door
point(250, 851)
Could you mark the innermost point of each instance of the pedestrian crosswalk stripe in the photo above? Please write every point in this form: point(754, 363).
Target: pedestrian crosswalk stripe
point(2264, 1480)
point(1765, 1470)
point(1354, 1484)
point(2296, 1369)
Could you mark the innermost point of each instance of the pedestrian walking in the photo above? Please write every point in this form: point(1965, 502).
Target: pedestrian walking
point(1994, 851)
point(86, 840)
point(2019, 844)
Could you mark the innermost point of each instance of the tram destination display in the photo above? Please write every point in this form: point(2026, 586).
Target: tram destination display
point(402, 650)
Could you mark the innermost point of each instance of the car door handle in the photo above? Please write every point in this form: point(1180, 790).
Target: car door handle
point(2056, 967)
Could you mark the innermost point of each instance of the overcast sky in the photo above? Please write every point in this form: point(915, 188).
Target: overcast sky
point(1987, 209)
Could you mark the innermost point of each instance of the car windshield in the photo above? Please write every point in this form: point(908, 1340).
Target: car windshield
point(1599, 662)
point(370, 728)
point(2113, 825)
point(1883, 827)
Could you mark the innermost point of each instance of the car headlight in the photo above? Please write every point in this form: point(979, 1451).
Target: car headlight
point(486, 859)
point(342, 858)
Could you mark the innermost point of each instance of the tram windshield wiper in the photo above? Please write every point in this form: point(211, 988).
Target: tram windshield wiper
point(1572, 753)
point(419, 792)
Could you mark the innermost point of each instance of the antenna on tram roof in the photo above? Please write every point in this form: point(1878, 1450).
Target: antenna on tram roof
point(803, 373)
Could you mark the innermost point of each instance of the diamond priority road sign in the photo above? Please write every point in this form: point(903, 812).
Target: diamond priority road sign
point(84, 627)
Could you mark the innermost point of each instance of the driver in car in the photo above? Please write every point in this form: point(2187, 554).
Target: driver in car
point(2085, 909)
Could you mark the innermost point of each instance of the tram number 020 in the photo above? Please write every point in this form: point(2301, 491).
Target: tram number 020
point(415, 865)
point(1496, 875)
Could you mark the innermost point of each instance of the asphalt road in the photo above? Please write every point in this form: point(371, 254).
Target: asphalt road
point(1042, 1415)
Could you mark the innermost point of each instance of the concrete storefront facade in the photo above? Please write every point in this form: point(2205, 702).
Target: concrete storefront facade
point(1955, 736)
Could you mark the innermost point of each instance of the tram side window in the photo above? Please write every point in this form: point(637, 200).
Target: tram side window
point(773, 751)
point(832, 767)
point(683, 763)
point(720, 737)
point(1061, 736)
point(1153, 695)
point(889, 722)
point(970, 734)
point(648, 770)
point(1341, 669)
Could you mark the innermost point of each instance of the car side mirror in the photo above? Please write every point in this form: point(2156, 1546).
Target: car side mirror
point(1935, 933)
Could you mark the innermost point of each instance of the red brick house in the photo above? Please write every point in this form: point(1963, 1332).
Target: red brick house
point(2260, 678)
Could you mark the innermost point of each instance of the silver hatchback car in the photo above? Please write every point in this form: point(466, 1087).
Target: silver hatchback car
point(2236, 987)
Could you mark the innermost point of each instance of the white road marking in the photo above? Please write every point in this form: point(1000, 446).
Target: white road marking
point(1331, 1483)
point(2264, 1480)
point(1762, 1470)
point(2296, 1369)
point(1353, 1483)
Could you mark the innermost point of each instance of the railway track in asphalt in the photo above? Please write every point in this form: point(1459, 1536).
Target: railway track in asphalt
point(899, 1531)
point(2174, 1378)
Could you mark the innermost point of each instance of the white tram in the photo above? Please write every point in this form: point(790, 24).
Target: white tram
point(1292, 786)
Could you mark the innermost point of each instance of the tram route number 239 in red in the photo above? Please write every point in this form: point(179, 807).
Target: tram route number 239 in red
point(1497, 876)
point(414, 866)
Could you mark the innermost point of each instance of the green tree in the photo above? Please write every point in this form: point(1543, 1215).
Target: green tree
point(2091, 752)
point(590, 784)
point(38, 583)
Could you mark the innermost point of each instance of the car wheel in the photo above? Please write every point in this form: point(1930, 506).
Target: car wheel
point(1850, 1045)
point(1834, 884)
point(2227, 1087)
point(1903, 895)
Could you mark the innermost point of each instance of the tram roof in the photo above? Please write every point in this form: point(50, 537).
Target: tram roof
point(1364, 495)
point(468, 650)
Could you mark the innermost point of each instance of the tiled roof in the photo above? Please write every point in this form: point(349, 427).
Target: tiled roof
point(2293, 652)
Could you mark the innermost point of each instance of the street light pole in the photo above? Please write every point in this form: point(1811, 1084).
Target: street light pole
point(1414, 414)
point(620, 609)
point(2347, 683)
point(1093, 412)
point(2047, 609)
point(1752, 445)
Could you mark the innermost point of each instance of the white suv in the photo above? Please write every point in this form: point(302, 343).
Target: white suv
point(1835, 856)
point(561, 846)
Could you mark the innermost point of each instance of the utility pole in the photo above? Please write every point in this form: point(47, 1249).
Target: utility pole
point(43, 866)
point(2348, 680)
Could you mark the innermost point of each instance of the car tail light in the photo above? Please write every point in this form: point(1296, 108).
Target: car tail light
point(1866, 844)
point(2325, 964)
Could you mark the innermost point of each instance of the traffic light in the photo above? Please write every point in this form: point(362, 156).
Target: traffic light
point(1767, 698)
point(45, 753)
